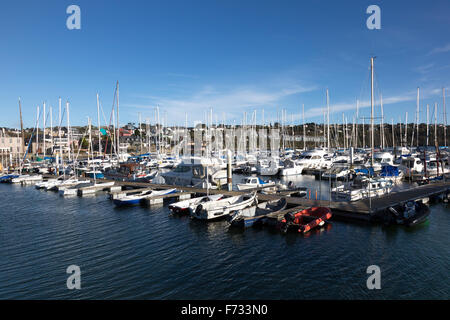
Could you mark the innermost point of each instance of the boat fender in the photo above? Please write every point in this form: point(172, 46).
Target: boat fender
point(395, 212)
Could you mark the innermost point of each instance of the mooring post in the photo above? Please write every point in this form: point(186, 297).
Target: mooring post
point(229, 172)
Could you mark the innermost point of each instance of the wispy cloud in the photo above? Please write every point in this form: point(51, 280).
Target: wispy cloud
point(232, 102)
point(338, 108)
point(443, 49)
point(425, 68)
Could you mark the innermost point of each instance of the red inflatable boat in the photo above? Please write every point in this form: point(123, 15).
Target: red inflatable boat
point(305, 220)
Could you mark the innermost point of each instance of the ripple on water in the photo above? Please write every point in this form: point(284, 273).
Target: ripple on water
point(144, 253)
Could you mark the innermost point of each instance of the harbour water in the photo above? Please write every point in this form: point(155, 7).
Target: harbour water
point(145, 253)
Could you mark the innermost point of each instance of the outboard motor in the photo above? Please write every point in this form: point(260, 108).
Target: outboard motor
point(290, 216)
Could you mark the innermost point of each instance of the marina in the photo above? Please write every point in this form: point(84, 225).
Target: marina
point(225, 151)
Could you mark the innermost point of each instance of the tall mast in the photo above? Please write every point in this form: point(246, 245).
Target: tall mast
point(382, 124)
point(117, 119)
point(328, 121)
point(304, 131)
point(343, 131)
point(393, 135)
point(356, 128)
point(417, 116)
point(372, 106)
point(428, 120)
point(363, 132)
point(406, 129)
point(21, 127)
point(140, 130)
point(99, 127)
point(37, 131)
point(435, 125)
point(445, 118)
point(68, 131)
point(43, 131)
point(324, 132)
point(59, 134)
point(51, 130)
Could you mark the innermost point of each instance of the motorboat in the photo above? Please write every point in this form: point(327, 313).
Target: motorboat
point(44, 184)
point(194, 171)
point(380, 159)
point(221, 208)
point(410, 214)
point(254, 182)
point(73, 189)
point(291, 167)
point(250, 216)
point(25, 179)
point(336, 172)
point(314, 159)
point(391, 173)
point(362, 188)
point(135, 199)
point(411, 165)
point(268, 167)
point(189, 205)
point(62, 184)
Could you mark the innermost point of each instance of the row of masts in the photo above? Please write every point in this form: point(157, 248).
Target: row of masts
point(349, 139)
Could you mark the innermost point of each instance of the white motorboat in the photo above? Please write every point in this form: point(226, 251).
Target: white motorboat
point(135, 199)
point(268, 167)
point(362, 188)
point(336, 172)
point(189, 205)
point(25, 179)
point(381, 159)
point(254, 182)
point(44, 184)
point(314, 159)
point(195, 170)
point(62, 184)
point(221, 208)
point(291, 167)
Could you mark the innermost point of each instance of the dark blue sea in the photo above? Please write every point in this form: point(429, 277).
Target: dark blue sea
point(146, 253)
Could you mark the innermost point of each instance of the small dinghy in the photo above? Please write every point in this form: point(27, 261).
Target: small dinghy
point(72, 190)
point(305, 220)
point(45, 184)
point(188, 206)
point(248, 217)
point(221, 208)
point(410, 214)
point(136, 199)
point(27, 179)
point(8, 177)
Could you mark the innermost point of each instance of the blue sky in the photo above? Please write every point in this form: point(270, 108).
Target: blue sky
point(233, 56)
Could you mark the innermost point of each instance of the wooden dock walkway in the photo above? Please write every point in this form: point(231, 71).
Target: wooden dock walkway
point(365, 209)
